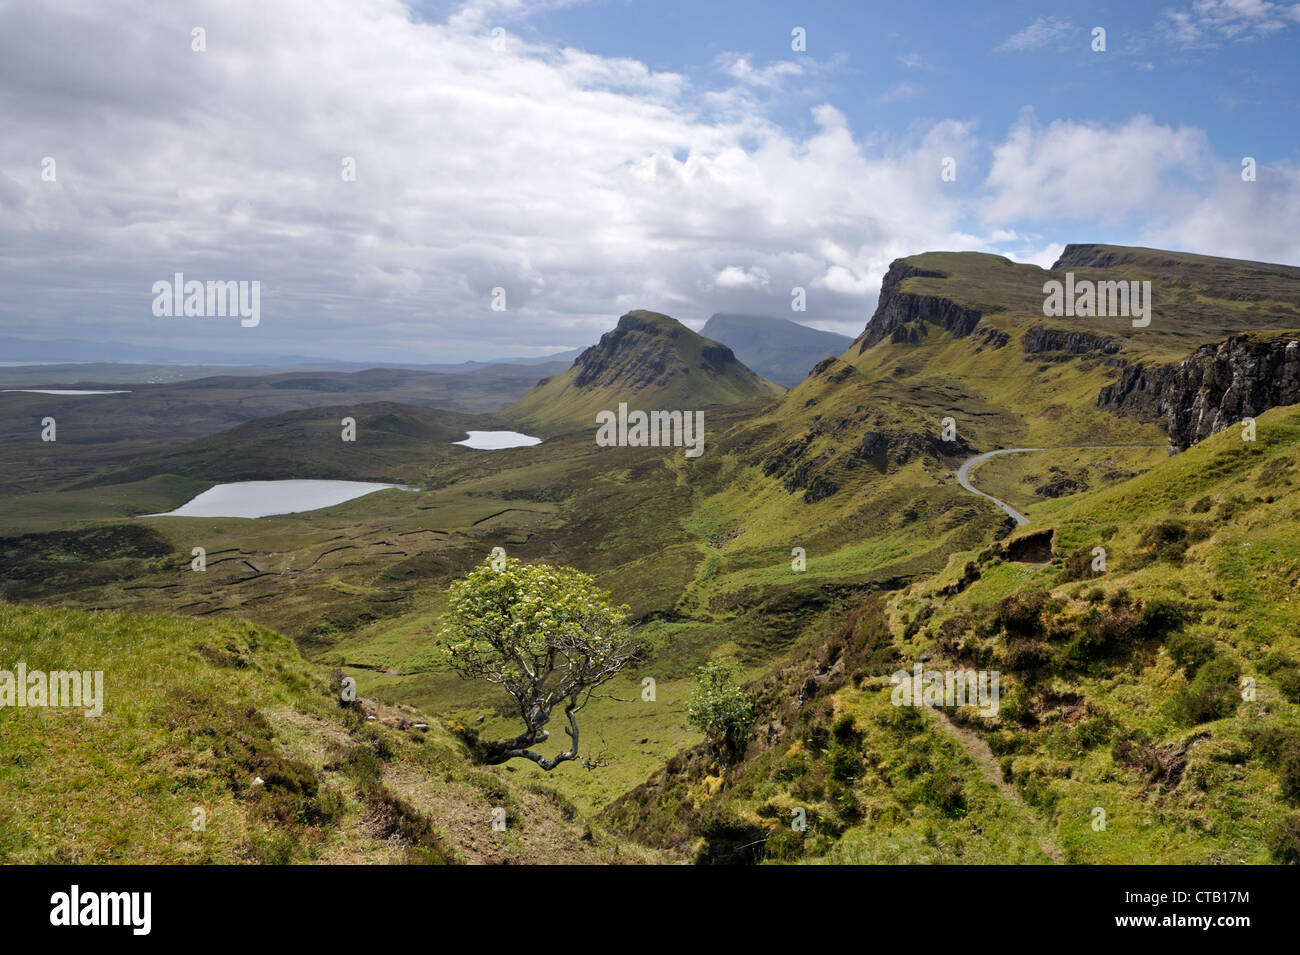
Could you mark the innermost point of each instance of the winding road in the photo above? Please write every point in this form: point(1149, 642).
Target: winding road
point(963, 472)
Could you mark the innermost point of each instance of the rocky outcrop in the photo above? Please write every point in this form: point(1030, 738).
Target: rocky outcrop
point(636, 353)
point(903, 316)
point(1038, 339)
point(994, 338)
point(1213, 388)
point(799, 471)
point(1089, 255)
point(835, 371)
point(884, 448)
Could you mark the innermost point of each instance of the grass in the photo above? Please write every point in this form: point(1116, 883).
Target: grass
point(193, 710)
point(848, 466)
point(1237, 580)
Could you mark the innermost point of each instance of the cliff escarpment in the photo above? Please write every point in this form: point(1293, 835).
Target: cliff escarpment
point(902, 316)
point(1038, 339)
point(1216, 386)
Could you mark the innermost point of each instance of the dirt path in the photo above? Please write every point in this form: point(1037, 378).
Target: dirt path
point(974, 746)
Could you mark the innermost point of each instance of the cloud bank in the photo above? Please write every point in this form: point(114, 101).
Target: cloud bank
point(580, 185)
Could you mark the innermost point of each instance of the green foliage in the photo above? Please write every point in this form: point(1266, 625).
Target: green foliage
point(1190, 650)
point(548, 636)
point(721, 708)
point(1279, 748)
point(1213, 693)
point(729, 839)
point(1021, 613)
point(506, 625)
point(1284, 844)
point(845, 730)
point(843, 764)
point(395, 818)
point(1285, 673)
point(785, 845)
point(1288, 684)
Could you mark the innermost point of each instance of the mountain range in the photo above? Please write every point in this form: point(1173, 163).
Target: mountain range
point(823, 542)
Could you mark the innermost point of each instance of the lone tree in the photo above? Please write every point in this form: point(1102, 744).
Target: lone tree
point(721, 709)
point(547, 635)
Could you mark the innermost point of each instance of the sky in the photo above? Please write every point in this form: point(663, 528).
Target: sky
point(441, 181)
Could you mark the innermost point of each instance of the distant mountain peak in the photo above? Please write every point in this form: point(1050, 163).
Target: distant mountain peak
point(776, 348)
point(646, 319)
point(648, 359)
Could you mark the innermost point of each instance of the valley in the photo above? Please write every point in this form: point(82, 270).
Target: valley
point(832, 533)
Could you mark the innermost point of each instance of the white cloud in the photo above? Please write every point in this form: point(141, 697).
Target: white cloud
point(1249, 220)
point(1089, 171)
point(1210, 22)
point(898, 92)
point(739, 68)
point(582, 185)
point(1045, 31)
point(733, 276)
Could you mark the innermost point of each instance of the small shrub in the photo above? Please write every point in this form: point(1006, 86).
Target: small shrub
point(1213, 693)
point(1274, 661)
point(1078, 566)
point(945, 793)
point(395, 818)
point(1160, 616)
point(843, 764)
point(1021, 614)
point(1093, 731)
point(1284, 843)
point(845, 731)
point(785, 844)
point(721, 709)
point(1288, 684)
point(1285, 673)
point(1190, 651)
point(1275, 473)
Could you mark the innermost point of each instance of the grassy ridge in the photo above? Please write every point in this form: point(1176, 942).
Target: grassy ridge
point(196, 711)
point(1121, 693)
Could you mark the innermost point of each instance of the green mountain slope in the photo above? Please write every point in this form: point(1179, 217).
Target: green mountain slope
point(651, 362)
point(1121, 693)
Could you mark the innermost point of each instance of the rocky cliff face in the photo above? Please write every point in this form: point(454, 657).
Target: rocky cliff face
point(1038, 339)
point(902, 316)
point(1213, 388)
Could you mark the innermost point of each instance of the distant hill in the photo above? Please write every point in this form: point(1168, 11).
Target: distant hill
point(651, 362)
point(467, 375)
point(776, 348)
point(73, 352)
